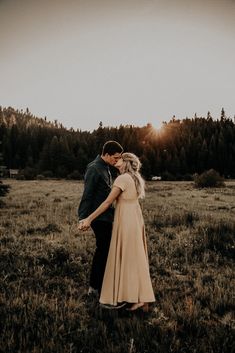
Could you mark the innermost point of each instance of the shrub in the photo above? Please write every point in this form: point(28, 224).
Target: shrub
point(61, 172)
point(40, 177)
point(179, 177)
point(188, 177)
point(58, 255)
point(48, 174)
point(175, 219)
point(2, 204)
point(166, 176)
point(208, 179)
point(75, 175)
point(48, 229)
point(20, 177)
point(4, 189)
point(27, 173)
point(217, 237)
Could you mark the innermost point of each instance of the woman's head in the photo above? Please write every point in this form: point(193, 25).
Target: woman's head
point(130, 163)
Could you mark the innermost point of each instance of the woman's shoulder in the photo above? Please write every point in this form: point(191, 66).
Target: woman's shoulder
point(125, 176)
point(122, 181)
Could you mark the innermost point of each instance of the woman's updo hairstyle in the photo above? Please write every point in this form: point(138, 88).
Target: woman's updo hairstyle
point(132, 166)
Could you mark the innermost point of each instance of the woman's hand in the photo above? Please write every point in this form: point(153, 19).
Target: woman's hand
point(84, 224)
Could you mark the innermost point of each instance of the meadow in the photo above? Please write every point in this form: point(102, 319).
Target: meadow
point(45, 263)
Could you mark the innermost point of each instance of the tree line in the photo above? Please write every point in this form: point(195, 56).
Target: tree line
point(178, 150)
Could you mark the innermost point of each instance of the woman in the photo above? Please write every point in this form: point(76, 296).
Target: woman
point(126, 277)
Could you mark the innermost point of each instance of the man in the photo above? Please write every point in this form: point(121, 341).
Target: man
point(97, 186)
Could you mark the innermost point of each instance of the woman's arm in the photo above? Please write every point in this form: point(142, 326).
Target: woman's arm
point(86, 222)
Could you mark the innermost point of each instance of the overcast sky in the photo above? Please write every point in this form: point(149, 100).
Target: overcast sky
point(117, 61)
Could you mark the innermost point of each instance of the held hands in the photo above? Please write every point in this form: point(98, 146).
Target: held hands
point(84, 224)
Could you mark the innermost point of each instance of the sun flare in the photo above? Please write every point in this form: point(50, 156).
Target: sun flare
point(158, 125)
point(157, 128)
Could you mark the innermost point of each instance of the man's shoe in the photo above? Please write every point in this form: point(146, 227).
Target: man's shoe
point(92, 292)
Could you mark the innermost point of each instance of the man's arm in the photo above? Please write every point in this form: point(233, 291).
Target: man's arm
point(114, 194)
point(90, 182)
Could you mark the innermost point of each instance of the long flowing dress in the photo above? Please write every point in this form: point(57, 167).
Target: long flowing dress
point(127, 276)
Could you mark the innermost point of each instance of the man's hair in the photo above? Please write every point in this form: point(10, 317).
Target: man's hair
point(111, 147)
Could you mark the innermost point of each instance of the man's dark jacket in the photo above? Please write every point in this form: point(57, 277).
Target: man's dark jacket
point(97, 186)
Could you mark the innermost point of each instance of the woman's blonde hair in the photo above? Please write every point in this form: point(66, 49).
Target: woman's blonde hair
point(132, 166)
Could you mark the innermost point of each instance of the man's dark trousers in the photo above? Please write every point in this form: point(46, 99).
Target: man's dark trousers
point(103, 233)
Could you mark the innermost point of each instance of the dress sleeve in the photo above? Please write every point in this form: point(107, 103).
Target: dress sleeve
point(120, 182)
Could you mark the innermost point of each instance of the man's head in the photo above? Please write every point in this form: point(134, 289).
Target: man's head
point(111, 152)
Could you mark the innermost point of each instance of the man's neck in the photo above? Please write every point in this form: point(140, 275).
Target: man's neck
point(104, 159)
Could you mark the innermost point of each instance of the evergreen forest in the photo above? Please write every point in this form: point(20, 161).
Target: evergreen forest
point(180, 149)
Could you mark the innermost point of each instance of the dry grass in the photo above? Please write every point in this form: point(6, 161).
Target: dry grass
point(45, 262)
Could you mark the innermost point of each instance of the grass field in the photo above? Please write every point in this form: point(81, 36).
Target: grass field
point(45, 263)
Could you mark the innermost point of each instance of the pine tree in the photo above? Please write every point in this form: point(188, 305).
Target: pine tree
point(44, 163)
point(54, 152)
point(182, 160)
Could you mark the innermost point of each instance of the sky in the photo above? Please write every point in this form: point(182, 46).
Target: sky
point(117, 61)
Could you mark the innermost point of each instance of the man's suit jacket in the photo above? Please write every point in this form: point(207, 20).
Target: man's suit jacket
point(97, 186)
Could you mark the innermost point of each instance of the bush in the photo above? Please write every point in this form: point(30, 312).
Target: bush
point(166, 176)
point(75, 175)
point(188, 177)
point(27, 174)
point(40, 177)
point(4, 189)
point(61, 172)
point(183, 177)
point(48, 174)
point(218, 237)
point(2, 204)
point(176, 219)
point(208, 179)
point(20, 177)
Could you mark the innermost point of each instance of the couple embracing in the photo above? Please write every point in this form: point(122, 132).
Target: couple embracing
point(120, 269)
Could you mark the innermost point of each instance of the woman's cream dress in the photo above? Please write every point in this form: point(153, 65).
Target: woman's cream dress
point(127, 275)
